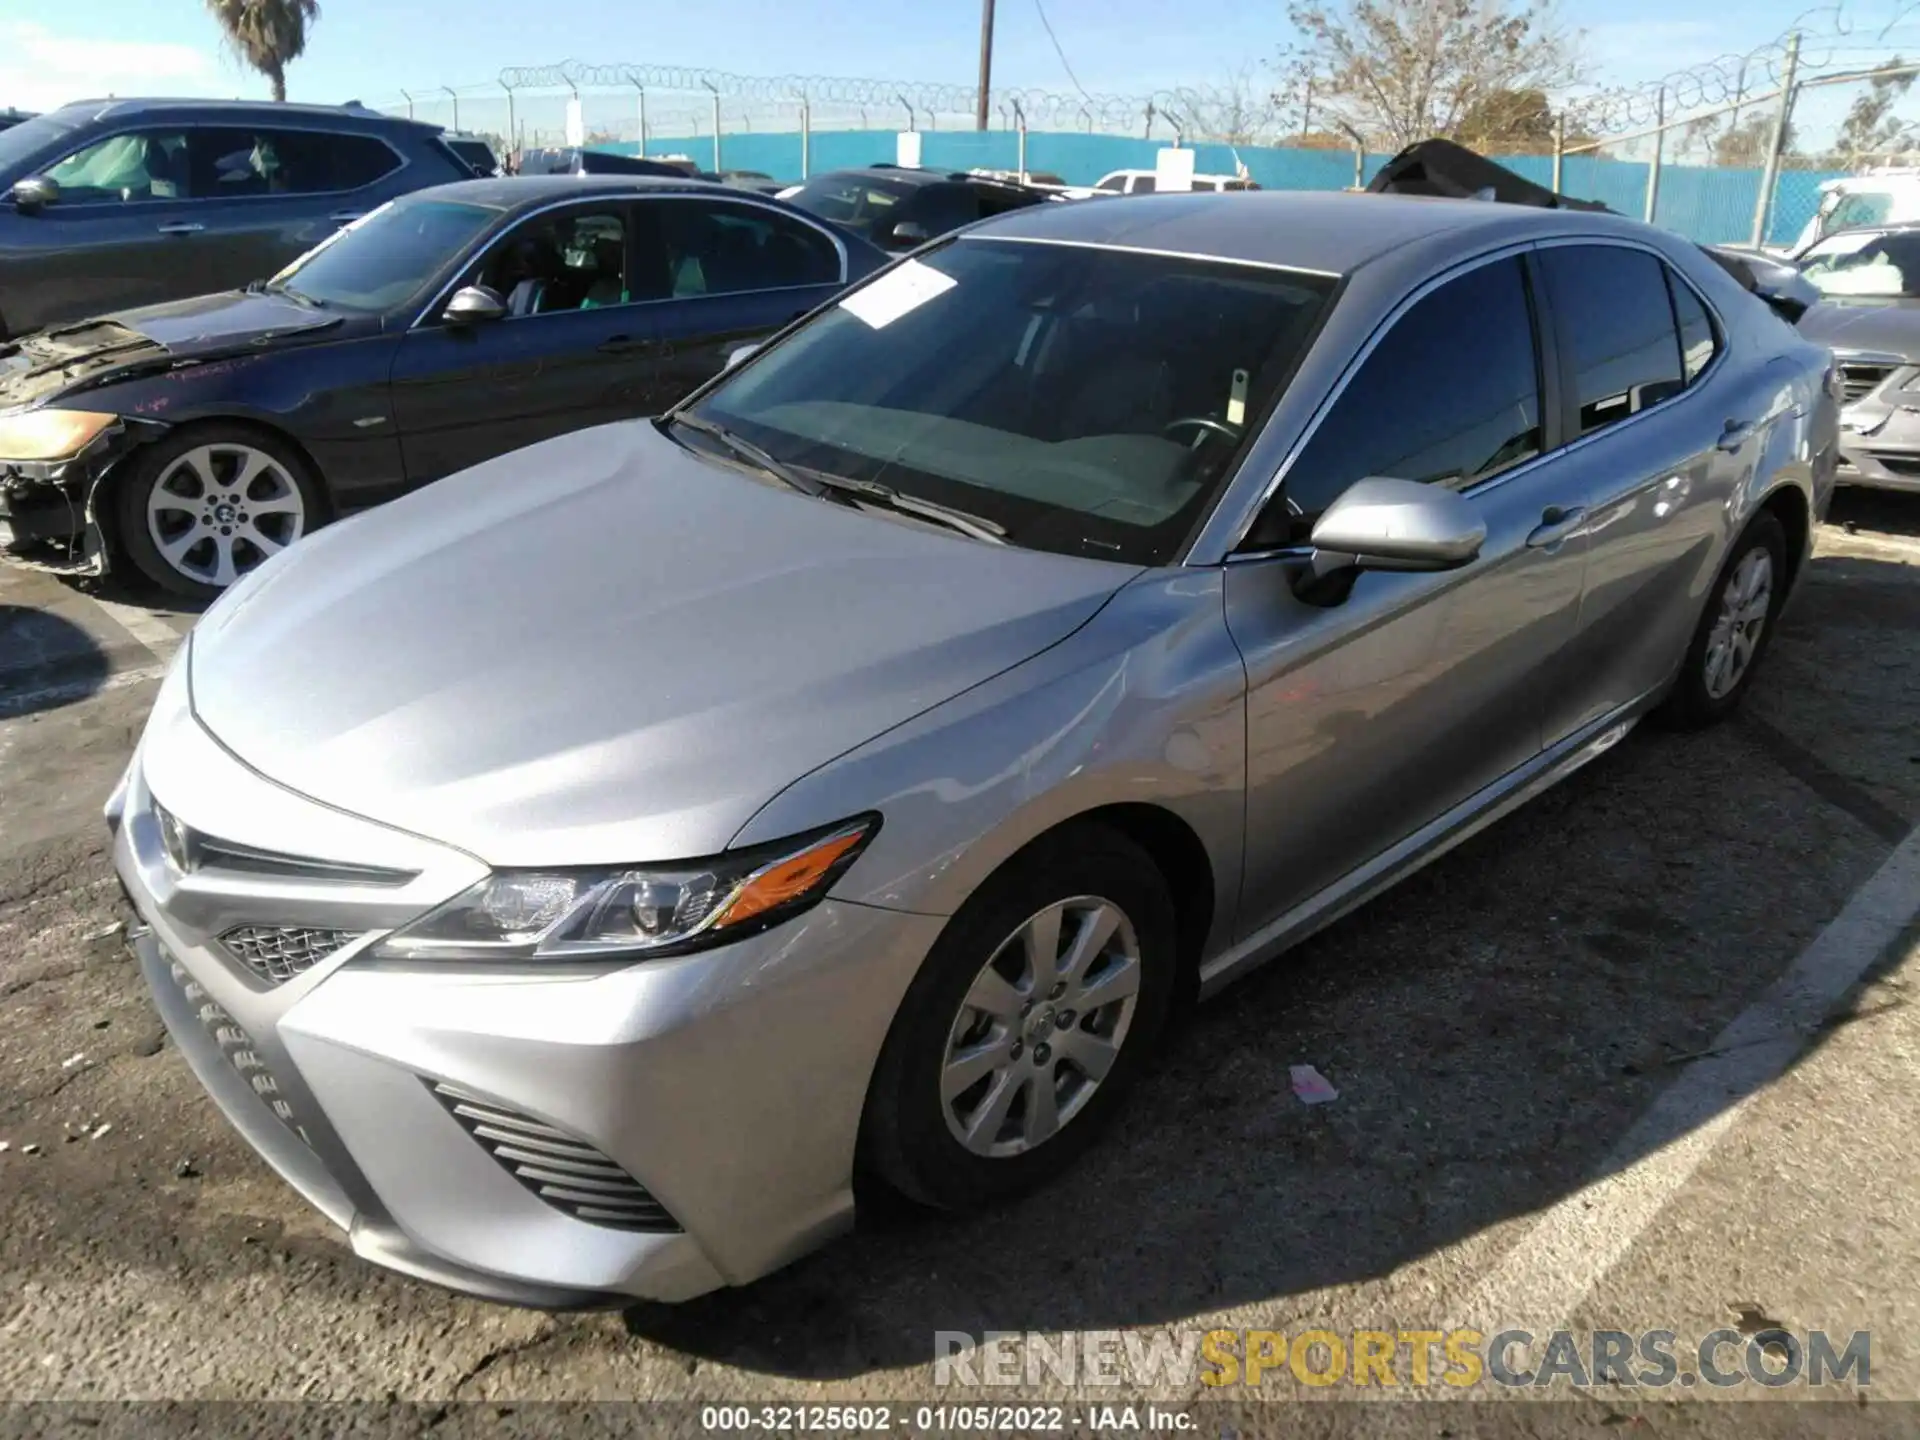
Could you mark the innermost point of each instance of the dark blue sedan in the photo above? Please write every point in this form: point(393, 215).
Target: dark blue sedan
point(449, 326)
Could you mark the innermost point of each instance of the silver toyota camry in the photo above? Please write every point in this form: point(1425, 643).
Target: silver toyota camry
point(572, 876)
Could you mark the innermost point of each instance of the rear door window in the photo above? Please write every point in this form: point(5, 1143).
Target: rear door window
point(1614, 313)
point(1697, 341)
point(243, 161)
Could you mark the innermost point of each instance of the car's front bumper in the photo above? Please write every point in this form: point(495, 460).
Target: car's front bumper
point(728, 1084)
point(1880, 445)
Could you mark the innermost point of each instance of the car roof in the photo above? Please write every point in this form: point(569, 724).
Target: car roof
point(517, 192)
point(1331, 232)
point(116, 107)
point(916, 175)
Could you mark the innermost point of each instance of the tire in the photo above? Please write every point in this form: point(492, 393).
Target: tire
point(911, 1134)
point(1704, 692)
point(192, 527)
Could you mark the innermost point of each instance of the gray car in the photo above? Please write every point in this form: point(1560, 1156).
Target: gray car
point(111, 204)
point(571, 876)
point(1869, 313)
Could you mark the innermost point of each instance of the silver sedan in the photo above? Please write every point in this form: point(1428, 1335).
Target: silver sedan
point(571, 876)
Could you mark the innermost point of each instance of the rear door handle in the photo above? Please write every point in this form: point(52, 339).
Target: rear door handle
point(1736, 434)
point(1556, 524)
point(182, 227)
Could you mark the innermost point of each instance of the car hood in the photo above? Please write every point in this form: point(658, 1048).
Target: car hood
point(603, 649)
point(1890, 327)
point(96, 352)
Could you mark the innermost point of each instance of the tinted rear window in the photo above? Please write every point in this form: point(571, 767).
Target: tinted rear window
point(1612, 305)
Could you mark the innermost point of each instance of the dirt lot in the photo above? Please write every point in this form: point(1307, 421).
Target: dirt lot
point(1548, 1006)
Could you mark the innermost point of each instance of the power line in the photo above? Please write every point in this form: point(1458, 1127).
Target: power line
point(1047, 25)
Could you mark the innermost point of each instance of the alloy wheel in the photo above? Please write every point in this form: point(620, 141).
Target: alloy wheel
point(1745, 605)
point(218, 510)
point(1040, 1027)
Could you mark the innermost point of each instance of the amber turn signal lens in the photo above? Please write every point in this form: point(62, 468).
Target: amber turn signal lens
point(789, 879)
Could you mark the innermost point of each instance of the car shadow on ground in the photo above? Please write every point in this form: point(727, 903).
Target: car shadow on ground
point(1495, 1026)
point(46, 661)
point(1891, 512)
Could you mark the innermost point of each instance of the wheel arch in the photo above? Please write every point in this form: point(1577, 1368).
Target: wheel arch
point(1789, 505)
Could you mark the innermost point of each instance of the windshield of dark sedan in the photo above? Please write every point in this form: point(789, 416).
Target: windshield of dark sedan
point(1090, 401)
point(388, 257)
point(19, 143)
point(1882, 264)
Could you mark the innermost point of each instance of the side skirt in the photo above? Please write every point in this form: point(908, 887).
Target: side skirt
point(1424, 846)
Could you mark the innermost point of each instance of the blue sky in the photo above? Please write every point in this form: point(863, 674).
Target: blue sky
point(370, 49)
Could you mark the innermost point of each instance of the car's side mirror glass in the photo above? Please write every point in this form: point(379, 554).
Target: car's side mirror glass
point(474, 305)
point(35, 193)
point(907, 234)
point(739, 353)
point(1385, 524)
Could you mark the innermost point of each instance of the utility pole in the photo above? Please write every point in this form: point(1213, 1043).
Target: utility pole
point(1763, 204)
point(986, 64)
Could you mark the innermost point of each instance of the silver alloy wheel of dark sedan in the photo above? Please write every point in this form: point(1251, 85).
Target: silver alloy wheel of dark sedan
point(1040, 1027)
point(218, 510)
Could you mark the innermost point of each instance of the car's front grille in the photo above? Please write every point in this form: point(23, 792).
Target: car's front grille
point(277, 953)
point(1859, 381)
point(561, 1169)
point(238, 1048)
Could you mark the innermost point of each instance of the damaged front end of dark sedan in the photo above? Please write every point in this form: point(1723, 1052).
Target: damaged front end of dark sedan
point(55, 453)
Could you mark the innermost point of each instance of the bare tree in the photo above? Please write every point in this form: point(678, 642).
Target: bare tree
point(268, 34)
point(1406, 70)
point(1241, 110)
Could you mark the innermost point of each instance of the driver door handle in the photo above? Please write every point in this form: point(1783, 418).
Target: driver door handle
point(1556, 524)
point(1736, 434)
point(182, 227)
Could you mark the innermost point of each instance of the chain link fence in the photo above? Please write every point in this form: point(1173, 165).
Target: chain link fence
point(1745, 159)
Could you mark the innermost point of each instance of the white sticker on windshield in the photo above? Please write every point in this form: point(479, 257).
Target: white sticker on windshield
point(907, 286)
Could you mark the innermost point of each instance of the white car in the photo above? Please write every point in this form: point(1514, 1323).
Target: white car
point(1888, 195)
point(1141, 182)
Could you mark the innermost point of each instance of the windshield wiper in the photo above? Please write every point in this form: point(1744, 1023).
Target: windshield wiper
point(872, 492)
point(746, 450)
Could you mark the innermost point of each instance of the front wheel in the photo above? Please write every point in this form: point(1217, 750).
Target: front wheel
point(200, 509)
point(1734, 632)
point(1030, 1020)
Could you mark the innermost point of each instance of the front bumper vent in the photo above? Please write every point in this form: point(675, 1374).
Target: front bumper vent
point(238, 1048)
point(277, 953)
point(562, 1170)
point(1859, 381)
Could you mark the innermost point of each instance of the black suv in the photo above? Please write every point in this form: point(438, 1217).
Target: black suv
point(118, 203)
point(898, 208)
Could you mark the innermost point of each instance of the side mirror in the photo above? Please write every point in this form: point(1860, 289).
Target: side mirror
point(474, 305)
point(739, 353)
point(35, 193)
point(907, 234)
point(1382, 524)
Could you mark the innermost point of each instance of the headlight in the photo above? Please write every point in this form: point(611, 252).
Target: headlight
point(41, 435)
point(634, 913)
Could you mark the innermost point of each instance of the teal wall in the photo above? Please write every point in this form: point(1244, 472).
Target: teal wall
point(1701, 202)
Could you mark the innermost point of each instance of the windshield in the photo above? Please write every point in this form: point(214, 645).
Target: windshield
point(851, 203)
point(387, 258)
point(20, 143)
point(1088, 401)
point(1882, 264)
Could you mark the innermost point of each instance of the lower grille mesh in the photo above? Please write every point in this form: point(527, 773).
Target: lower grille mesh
point(277, 953)
point(566, 1172)
point(238, 1048)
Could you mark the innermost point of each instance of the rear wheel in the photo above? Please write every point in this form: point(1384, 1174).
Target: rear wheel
point(1735, 630)
point(202, 508)
point(1027, 1025)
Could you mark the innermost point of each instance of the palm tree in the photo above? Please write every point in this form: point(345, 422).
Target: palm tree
point(268, 34)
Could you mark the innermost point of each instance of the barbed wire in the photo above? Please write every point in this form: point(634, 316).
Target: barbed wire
point(1826, 39)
